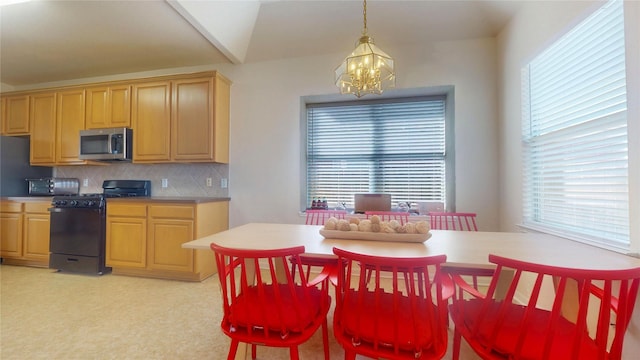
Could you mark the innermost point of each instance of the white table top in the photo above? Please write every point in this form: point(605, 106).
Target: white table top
point(462, 248)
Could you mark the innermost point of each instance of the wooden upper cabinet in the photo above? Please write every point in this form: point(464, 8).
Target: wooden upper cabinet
point(151, 122)
point(177, 118)
point(200, 112)
point(42, 111)
point(3, 114)
point(70, 120)
point(108, 106)
point(15, 115)
point(191, 126)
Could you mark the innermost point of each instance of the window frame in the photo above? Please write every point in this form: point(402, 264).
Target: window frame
point(447, 92)
point(565, 229)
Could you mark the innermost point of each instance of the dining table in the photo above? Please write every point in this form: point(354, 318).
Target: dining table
point(464, 249)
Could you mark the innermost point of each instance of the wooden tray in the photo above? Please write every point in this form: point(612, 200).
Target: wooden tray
point(365, 235)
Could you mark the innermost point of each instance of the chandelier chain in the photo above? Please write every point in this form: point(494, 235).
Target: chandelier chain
point(364, 13)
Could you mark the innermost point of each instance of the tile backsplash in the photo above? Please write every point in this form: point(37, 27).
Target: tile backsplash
point(182, 179)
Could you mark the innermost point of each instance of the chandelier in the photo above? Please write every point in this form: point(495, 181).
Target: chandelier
point(367, 70)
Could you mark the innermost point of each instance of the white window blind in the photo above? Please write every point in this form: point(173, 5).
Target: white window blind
point(394, 147)
point(575, 134)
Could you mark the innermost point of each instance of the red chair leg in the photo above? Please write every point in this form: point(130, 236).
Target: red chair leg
point(456, 345)
point(254, 351)
point(232, 350)
point(349, 355)
point(325, 340)
point(293, 353)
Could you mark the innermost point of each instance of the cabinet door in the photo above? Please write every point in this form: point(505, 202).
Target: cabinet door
point(16, 115)
point(120, 106)
point(10, 235)
point(97, 108)
point(70, 120)
point(151, 120)
point(108, 106)
point(3, 114)
point(192, 131)
point(36, 237)
point(165, 245)
point(126, 242)
point(42, 111)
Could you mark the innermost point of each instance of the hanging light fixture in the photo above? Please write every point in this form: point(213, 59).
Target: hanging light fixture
point(367, 70)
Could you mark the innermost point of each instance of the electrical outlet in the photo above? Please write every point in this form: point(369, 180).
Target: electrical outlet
point(85, 182)
point(165, 183)
point(224, 183)
point(209, 182)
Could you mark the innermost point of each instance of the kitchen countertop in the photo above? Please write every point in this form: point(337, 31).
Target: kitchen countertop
point(176, 199)
point(26, 198)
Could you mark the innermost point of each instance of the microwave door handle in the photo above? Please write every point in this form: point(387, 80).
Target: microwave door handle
point(110, 144)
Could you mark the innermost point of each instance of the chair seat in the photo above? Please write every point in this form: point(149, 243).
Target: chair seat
point(407, 325)
point(536, 331)
point(249, 307)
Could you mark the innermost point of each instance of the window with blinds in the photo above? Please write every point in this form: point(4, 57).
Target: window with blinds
point(394, 146)
point(575, 134)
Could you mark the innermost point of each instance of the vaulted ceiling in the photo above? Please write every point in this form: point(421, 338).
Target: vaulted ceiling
point(46, 41)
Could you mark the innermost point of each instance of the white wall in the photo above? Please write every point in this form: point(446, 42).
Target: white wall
point(265, 147)
point(265, 165)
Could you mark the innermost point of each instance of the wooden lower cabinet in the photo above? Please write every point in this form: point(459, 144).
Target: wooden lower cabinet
point(144, 238)
point(24, 232)
point(165, 252)
point(126, 236)
point(11, 229)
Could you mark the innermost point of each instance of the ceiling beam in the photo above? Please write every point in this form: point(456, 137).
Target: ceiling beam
point(228, 25)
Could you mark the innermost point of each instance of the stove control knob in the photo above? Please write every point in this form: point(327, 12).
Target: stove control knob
point(60, 202)
point(90, 203)
point(73, 203)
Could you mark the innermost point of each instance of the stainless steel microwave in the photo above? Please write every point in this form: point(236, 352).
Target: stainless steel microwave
point(106, 144)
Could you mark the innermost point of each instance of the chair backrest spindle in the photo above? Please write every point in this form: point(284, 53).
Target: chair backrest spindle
point(319, 217)
point(402, 217)
point(461, 221)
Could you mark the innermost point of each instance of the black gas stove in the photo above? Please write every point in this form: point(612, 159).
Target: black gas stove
point(94, 201)
point(78, 226)
point(111, 189)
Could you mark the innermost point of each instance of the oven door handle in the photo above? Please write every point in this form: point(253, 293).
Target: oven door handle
point(54, 210)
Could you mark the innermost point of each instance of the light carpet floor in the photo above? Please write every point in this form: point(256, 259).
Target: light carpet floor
point(50, 315)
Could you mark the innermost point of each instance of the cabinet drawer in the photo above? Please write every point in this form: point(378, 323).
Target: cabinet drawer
point(10, 207)
point(137, 210)
point(37, 207)
point(172, 211)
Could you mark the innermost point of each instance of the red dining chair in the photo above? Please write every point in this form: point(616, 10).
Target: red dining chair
point(462, 222)
point(385, 319)
point(319, 217)
point(453, 221)
point(402, 217)
point(528, 325)
point(261, 309)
